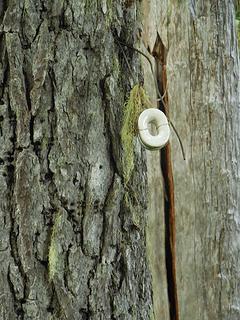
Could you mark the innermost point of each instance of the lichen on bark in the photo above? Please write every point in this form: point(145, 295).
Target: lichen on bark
point(136, 103)
point(69, 248)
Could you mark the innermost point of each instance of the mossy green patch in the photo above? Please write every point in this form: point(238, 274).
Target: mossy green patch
point(137, 102)
point(53, 255)
point(110, 11)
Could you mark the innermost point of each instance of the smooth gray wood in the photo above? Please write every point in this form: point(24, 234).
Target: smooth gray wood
point(203, 88)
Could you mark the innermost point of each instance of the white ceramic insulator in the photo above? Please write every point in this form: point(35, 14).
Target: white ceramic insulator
point(159, 119)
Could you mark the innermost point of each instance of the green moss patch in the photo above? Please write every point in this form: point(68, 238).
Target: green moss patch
point(136, 103)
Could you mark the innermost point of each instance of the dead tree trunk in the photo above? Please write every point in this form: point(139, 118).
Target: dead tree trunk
point(72, 239)
point(203, 92)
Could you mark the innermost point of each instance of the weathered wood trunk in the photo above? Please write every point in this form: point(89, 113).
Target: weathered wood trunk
point(203, 92)
point(72, 234)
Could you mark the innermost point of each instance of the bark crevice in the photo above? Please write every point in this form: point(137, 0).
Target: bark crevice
point(160, 55)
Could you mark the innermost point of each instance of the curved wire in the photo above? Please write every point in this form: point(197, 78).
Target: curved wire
point(161, 97)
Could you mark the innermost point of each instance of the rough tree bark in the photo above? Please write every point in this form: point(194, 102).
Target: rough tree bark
point(72, 234)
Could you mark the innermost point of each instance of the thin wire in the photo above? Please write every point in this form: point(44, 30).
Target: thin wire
point(179, 139)
point(161, 97)
point(151, 67)
point(125, 57)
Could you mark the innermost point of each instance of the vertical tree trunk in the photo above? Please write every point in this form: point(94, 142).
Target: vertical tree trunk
point(203, 91)
point(72, 237)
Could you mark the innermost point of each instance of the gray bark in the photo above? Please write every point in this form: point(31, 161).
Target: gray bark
point(203, 90)
point(71, 246)
point(72, 238)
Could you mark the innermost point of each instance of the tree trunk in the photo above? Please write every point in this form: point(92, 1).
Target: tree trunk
point(203, 92)
point(72, 237)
